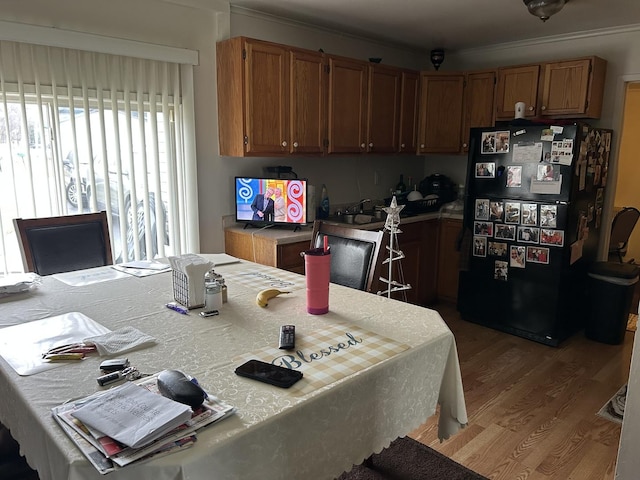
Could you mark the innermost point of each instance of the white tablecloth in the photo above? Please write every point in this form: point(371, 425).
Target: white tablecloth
point(274, 434)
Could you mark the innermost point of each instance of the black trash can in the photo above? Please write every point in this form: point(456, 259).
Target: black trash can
point(611, 288)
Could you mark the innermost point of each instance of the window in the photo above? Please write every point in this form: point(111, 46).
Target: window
point(84, 132)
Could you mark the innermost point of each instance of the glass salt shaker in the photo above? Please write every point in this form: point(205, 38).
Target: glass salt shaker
point(212, 295)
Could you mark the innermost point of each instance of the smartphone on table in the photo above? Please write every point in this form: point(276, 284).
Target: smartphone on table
point(269, 373)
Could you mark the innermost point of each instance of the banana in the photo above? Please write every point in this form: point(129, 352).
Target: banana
point(265, 295)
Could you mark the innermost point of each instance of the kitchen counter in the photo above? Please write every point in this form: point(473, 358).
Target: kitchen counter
point(286, 235)
point(428, 239)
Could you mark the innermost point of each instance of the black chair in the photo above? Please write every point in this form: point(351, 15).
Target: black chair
point(63, 244)
point(623, 224)
point(354, 253)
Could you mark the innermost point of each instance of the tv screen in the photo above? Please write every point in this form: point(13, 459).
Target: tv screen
point(271, 201)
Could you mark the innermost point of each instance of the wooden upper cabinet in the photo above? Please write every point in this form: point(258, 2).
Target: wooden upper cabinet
point(479, 95)
point(266, 80)
point(383, 115)
point(517, 84)
point(440, 125)
point(347, 116)
point(307, 101)
point(409, 88)
point(270, 97)
point(573, 88)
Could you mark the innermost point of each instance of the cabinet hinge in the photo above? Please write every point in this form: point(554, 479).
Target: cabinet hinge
point(246, 140)
point(244, 54)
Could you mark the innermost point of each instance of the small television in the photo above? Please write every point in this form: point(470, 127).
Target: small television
point(271, 201)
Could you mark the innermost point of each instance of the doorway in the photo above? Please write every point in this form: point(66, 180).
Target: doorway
point(627, 193)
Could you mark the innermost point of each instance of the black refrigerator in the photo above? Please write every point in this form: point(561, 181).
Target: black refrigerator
point(532, 218)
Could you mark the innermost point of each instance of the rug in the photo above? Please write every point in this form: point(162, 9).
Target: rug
point(632, 324)
point(407, 459)
point(613, 410)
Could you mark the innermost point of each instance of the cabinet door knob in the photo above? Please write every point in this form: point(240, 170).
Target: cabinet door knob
point(371, 145)
point(422, 145)
point(402, 145)
point(531, 109)
point(464, 145)
point(543, 107)
point(284, 144)
point(295, 144)
point(363, 146)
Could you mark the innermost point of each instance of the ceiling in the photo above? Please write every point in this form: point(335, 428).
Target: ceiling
point(449, 24)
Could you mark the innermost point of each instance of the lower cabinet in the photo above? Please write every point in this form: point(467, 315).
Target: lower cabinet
point(265, 251)
point(448, 259)
point(419, 243)
point(430, 263)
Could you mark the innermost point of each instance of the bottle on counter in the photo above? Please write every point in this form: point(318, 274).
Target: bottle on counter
point(324, 203)
point(401, 187)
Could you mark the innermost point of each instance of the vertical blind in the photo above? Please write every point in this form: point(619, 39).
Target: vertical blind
point(84, 132)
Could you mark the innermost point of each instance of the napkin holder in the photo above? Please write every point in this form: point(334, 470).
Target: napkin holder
point(183, 294)
point(188, 279)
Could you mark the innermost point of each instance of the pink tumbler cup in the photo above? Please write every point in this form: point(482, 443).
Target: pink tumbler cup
point(317, 265)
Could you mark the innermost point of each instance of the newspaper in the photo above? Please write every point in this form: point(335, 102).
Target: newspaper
point(107, 454)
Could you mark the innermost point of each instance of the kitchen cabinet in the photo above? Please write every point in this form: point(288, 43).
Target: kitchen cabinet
point(573, 88)
point(419, 243)
point(448, 259)
point(517, 84)
point(240, 243)
point(561, 89)
point(479, 95)
point(347, 105)
point(307, 102)
point(409, 96)
point(440, 124)
point(383, 113)
point(270, 99)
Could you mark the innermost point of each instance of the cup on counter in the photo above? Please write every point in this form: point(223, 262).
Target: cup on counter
point(317, 268)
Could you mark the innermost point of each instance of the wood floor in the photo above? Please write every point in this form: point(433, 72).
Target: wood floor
point(532, 408)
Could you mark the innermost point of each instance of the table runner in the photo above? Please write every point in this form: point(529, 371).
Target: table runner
point(329, 354)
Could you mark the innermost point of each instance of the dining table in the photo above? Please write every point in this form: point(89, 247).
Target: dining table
point(374, 369)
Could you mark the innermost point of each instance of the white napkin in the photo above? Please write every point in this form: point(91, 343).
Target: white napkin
point(119, 341)
point(194, 267)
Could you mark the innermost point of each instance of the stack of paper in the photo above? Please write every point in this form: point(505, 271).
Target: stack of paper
point(132, 423)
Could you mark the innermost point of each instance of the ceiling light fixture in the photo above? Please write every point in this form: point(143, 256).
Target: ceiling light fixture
point(543, 9)
point(437, 57)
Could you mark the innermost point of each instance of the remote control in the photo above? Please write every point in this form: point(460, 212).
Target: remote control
point(287, 337)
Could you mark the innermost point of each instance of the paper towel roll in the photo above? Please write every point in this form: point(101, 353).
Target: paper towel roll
point(520, 106)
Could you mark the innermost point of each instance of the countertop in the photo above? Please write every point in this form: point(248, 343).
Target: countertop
point(285, 235)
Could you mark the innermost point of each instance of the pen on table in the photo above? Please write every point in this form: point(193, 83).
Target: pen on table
point(178, 308)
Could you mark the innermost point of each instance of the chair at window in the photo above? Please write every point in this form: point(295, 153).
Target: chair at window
point(64, 244)
point(354, 253)
point(623, 224)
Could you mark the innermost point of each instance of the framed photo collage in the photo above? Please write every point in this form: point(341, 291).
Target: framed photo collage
point(514, 233)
